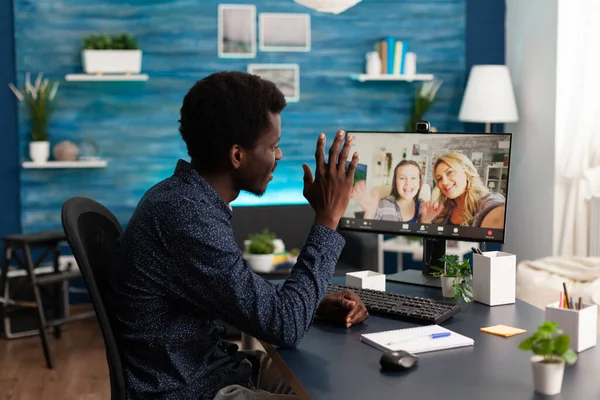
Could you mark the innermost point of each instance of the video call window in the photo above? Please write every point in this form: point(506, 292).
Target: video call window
point(447, 181)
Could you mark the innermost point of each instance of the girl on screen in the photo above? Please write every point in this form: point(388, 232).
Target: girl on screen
point(402, 204)
point(464, 199)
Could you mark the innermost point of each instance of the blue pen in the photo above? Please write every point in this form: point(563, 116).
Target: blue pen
point(431, 335)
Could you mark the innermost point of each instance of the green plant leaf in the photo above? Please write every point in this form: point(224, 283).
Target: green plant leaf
point(527, 344)
point(547, 326)
point(543, 347)
point(561, 344)
point(570, 356)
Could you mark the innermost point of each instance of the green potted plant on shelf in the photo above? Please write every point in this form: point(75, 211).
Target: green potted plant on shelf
point(117, 54)
point(550, 347)
point(293, 255)
point(38, 98)
point(260, 251)
point(424, 98)
point(456, 277)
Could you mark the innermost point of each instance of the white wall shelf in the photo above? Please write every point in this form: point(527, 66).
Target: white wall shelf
point(67, 164)
point(105, 77)
point(406, 78)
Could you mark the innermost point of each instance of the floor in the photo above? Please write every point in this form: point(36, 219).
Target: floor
point(80, 372)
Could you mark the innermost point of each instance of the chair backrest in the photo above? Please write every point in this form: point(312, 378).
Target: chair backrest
point(92, 232)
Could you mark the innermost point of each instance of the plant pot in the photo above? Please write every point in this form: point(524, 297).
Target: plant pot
point(547, 376)
point(39, 151)
point(112, 61)
point(260, 262)
point(447, 282)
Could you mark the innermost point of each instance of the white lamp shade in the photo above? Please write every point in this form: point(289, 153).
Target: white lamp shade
point(329, 6)
point(489, 96)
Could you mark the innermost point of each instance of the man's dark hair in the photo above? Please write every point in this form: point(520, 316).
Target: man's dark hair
point(224, 109)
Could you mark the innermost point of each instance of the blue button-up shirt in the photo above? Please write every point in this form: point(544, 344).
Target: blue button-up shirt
point(182, 272)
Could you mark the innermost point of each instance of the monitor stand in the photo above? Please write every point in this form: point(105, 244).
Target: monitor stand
point(433, 250)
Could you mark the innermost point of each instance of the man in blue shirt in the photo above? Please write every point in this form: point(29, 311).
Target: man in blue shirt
point(183, 271)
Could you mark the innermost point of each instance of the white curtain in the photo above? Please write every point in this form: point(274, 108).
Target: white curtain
point(577, 124)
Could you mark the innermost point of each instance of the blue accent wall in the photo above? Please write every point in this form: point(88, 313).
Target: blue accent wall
point(10, 219)
point(135, 124)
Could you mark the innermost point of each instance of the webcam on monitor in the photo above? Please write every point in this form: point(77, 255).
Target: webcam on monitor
point(423, 127)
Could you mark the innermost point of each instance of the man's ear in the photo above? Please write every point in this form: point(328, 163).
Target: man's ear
point(236, 156)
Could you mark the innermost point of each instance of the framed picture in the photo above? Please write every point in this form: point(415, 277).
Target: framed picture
point(285, 76)
point(284, 32)
point(237, 31)
point(477, 159)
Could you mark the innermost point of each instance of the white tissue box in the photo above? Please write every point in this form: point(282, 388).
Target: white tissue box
point(366, 280)
point(494, 278)
point(580, 325)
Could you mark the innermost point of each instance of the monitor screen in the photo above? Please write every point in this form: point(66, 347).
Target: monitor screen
point(444, 185)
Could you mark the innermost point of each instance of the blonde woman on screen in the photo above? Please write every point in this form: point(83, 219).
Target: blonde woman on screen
point(464, 200)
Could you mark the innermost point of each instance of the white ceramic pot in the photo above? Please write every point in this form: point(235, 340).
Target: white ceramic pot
point(447, 282)
point(547, 376)
point(112, 61)
point(260, 262)
point(39, 152)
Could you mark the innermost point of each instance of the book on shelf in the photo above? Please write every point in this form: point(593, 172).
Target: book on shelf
point(392, 52)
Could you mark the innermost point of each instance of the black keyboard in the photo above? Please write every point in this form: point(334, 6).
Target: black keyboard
point(407, 308)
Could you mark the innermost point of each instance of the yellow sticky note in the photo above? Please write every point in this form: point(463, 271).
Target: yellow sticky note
point(503, 330)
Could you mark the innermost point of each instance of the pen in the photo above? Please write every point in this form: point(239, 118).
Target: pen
point(432, 336)
point(568, 305)
point(580, 304)
point(476, 251)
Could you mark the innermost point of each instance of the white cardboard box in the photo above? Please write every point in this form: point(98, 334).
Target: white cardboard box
point(494, 278)
point(366, 280)
point(580, 325)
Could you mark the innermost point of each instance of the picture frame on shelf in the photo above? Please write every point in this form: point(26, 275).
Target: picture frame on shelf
point(285, 76)
point(284, 32)
point(237, 31)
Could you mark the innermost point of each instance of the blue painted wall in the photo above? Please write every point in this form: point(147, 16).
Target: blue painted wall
point(10, 219)
point(135, 124)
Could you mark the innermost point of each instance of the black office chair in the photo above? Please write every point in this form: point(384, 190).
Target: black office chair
point(92, 232)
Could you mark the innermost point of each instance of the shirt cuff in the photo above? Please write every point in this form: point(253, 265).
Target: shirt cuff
point(322, 235)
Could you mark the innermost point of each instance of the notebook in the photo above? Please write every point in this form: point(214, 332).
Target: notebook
point(416, 340)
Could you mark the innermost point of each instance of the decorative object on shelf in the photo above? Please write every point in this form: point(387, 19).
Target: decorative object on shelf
point(410, 64)
point(456, 277)
point(424, 97)
point(550, 347)
point(261, 250)
point(285, 76)
point(284, 32)
point(329, 6)
point(237, 31)
point(118, 54)
point(89, 150)
point(489, 97)
point(373, 67)
point(65, 151)
point(39, 99)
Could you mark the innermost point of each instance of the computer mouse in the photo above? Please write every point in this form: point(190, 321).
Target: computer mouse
point(398, 360)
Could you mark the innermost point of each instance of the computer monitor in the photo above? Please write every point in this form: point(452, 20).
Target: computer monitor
point(438, 186)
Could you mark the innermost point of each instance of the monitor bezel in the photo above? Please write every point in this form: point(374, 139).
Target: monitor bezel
point(445, 237)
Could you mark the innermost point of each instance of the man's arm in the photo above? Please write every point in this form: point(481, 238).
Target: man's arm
point(214, 275)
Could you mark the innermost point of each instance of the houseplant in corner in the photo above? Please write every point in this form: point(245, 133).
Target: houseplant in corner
point(119, 54)
point(424, 97)
point(38, 98)
point(456, 277)
point(260, 251)
point(551, 351)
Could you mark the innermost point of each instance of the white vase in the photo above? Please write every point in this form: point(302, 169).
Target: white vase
point(373, 63)
point(39, 152)
point(547, 376)
point(260, 262)
point(447, 282)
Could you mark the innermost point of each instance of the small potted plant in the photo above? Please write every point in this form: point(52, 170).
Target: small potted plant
point(260, 251)
point(550, 347)
point(456, 277)
point(119, 54)
point(293, 255)
point(39, 100)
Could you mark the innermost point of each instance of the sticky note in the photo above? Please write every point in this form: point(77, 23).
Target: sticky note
point(503, 330)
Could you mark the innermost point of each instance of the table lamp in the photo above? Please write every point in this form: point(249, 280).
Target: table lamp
point(489, 96)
